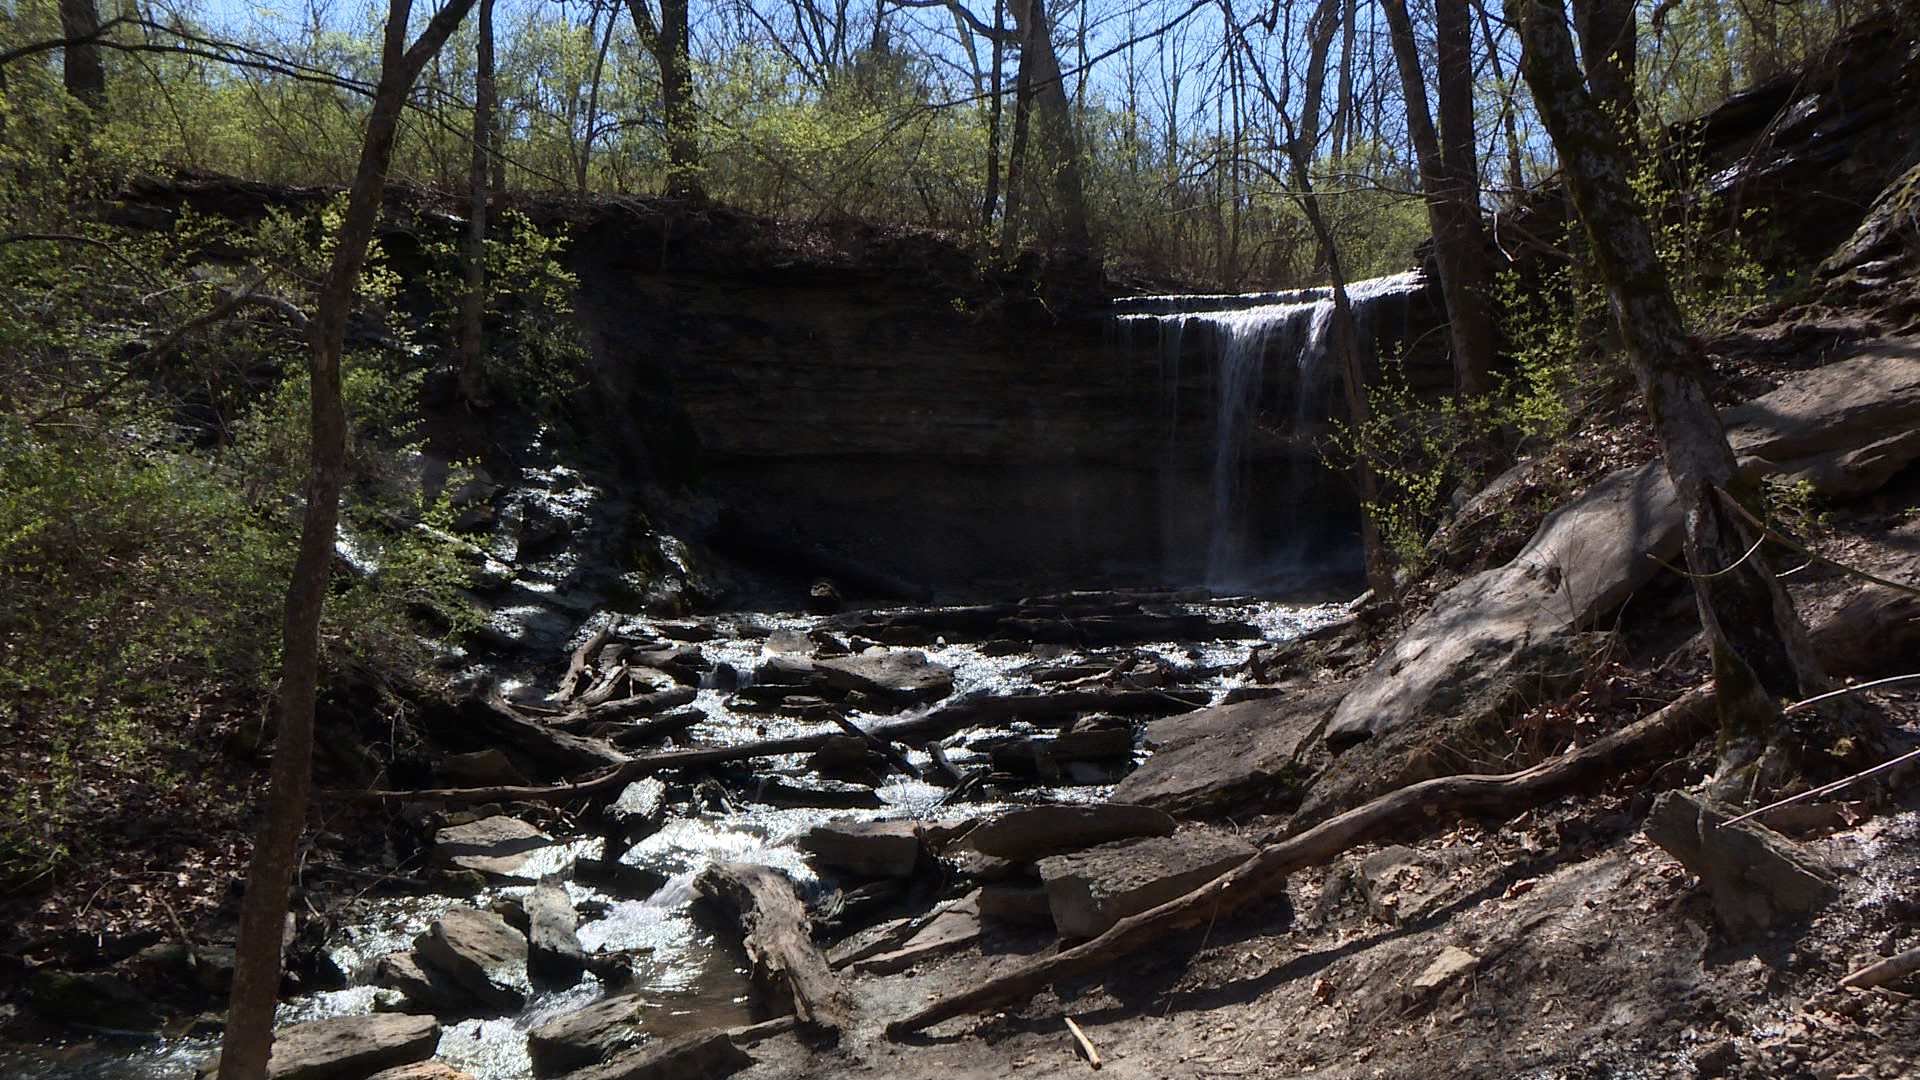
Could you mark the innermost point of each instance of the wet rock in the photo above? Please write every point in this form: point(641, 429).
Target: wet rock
point(639, 811)
point(482, 768)
point(622, 879)
point(955, 928)
point(432, 1069)
point(1229, 757)
point(823, 598)
point(897, 675)
point(784, 642)
point(346, 1048)
point(424, 988)
point(1088, 891)
point(93, 999)
point(422, 1070)
point(782, 670)
point(554, 958)
point(484, 956)
point(587, 1036)
point(868, 848)
point(498, 846)
point(1035, 832)
point(1759, 880)
point(825, 795)
point(703, 1055)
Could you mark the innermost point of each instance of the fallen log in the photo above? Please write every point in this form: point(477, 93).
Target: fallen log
point(893, 755)
point(580, 664)
point(1671, 729)
point(1892, 969)
point(539, 740)
point(779, 941)
point(647, 704)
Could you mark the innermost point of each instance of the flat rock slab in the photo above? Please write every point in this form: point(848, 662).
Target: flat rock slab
point(903, 675)
point(1035, 832)
point(1088, 891)
point(704, 1055)
point(481, 953)
point(1590, 555)
point(346, 1048)
point(956, 927)
point(425, 988)
point(422, 1070)
point(1759, 880)
point(498, 846)
point(879, 849)
point(554, 958)
point(1250, 753)
point(587, 1036)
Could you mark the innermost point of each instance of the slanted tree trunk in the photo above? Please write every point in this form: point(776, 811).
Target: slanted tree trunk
point(1759, 646)
point(83, 75)
point(1017, 157)
point(257, 968)
point(1062, 154)
point(990, 202)
point(1450, 178)
point(472, 366)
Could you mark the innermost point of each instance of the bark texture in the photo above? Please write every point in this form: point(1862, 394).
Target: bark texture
point(1759, 646)
point(257, 970)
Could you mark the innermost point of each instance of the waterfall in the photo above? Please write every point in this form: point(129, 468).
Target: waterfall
point(1271, 380)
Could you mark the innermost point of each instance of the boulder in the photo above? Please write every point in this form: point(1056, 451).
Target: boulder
point(898, 675)
point(703, 1055)
point(422, 1070)
point(1758, 879)
point(1035, 832)
point(484, 956)
point(427, 989)
point(587, 1036)
point(1229, 757)
point(1462, 656)
point(867, 848)
point(1088, 891)
point(622, 879)
point(482, 768)
point(498, 846)
point(639, 811)
point(346, 1048)
point(554, 958)
point(95, 999)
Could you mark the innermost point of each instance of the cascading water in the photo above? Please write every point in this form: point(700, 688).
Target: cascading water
point(1271, 371)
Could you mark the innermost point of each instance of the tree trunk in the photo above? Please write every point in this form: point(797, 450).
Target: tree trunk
point(83, 75)
point(667, 40)
point(1017, 157)
point(1759, 646)
point(1042, 68)
point(593, 107)
point(990, 202)
point(257, 968)
point(1609, 44)
point(1449, 175)
point(472, 365)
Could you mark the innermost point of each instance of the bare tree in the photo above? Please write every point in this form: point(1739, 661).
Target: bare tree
point(1450, 177)
point(257, 969)
point(1062, 155)
point(471, 365)
point(667, 37)
point(1758, 644)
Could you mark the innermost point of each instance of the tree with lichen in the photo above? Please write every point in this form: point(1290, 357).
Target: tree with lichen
point(1758, 645)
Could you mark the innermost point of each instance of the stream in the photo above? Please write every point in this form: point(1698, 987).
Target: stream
point(694, 979)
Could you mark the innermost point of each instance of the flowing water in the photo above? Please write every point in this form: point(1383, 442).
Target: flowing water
point(1270, 360)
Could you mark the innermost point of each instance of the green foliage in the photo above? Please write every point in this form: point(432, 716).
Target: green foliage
point(534, 353)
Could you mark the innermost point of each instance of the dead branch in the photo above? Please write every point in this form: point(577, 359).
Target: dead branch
point(1889, 970)
point(1678, 725)
point(779, 941)
point(580, 664)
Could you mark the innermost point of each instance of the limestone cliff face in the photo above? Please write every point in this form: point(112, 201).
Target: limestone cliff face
point(887, 402)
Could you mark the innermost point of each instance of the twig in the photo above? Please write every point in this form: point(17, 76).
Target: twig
point(1086, 1044)
point(1891, 680)
point(1880, 973)
point(1827, 788)
point(1795, 545)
